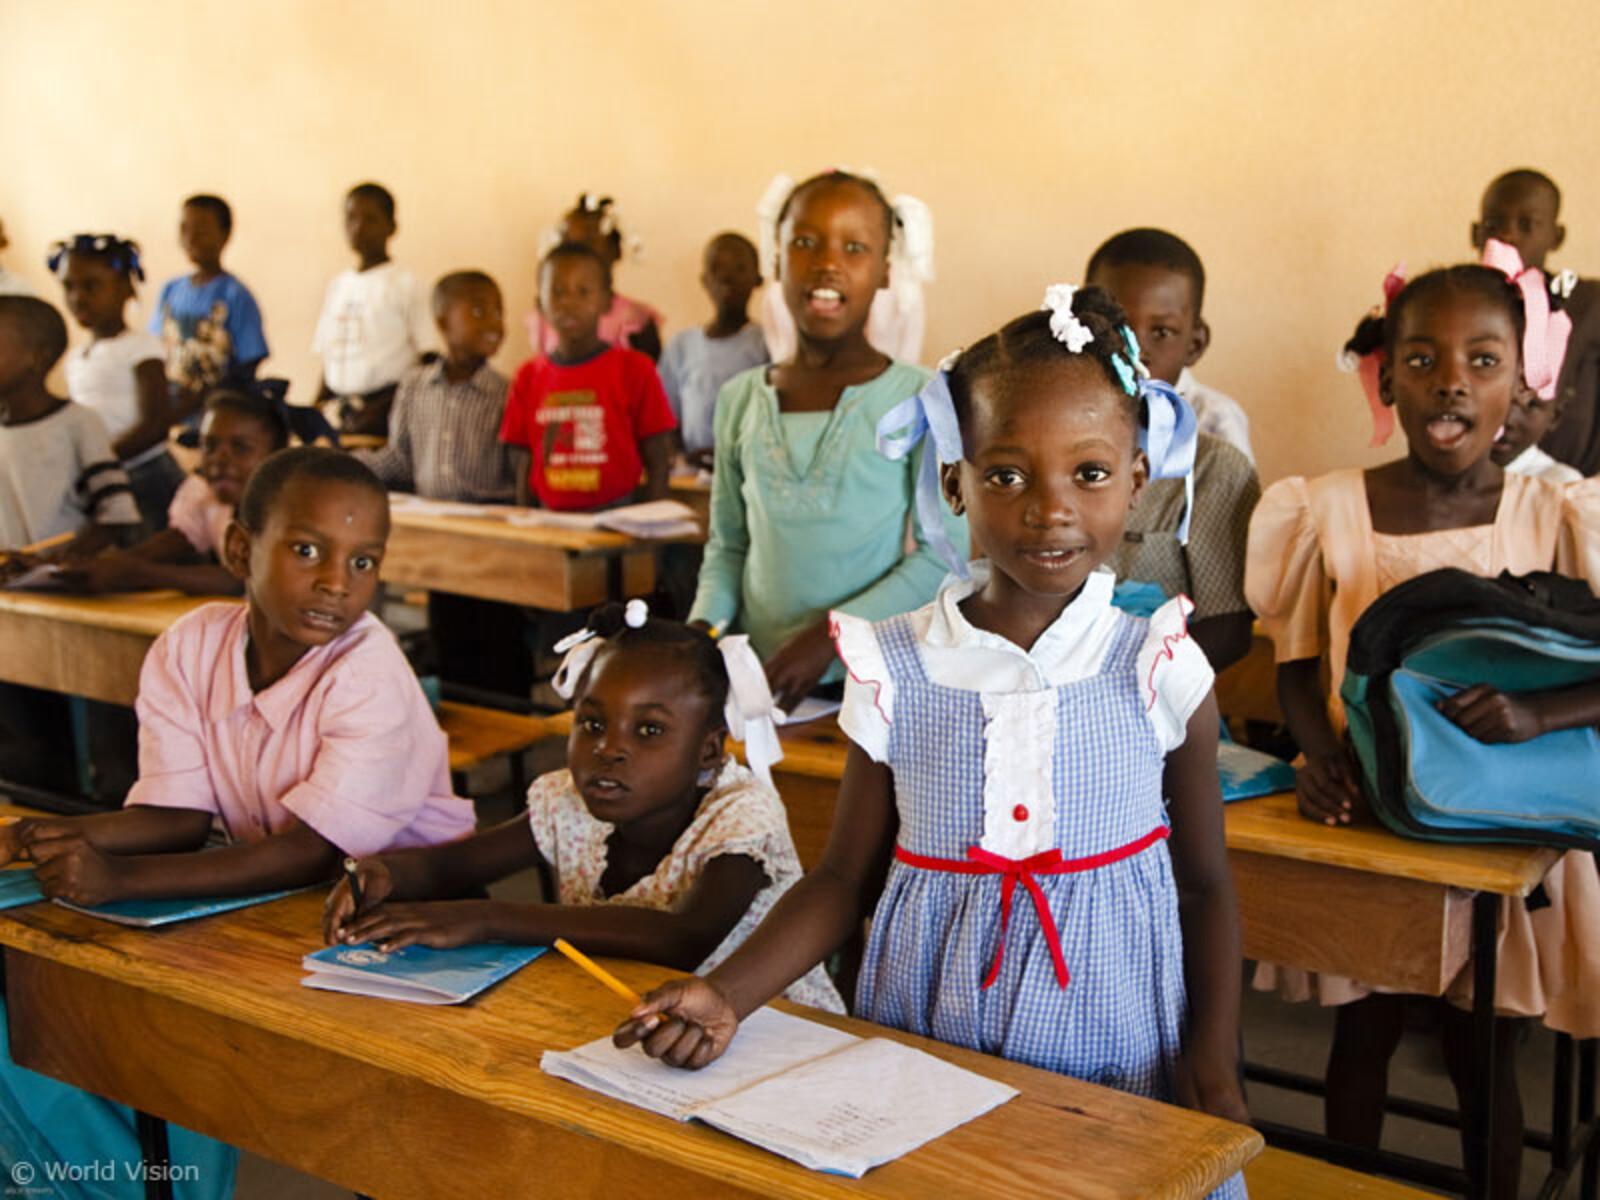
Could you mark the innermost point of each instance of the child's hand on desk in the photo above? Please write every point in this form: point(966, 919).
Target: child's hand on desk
point(1326, 788)
point(685, 1023)
point(17, 835)
point(15, 563)
point(1493, 716)
point(799, 665)
point(69, 868)
point(339, 910)
point(1209, 1083)
point(441, 924)
point(111, 571)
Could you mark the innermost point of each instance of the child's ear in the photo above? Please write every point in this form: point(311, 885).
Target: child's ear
point(714, 747)
point(1198, 341)
point(1478, 237)
point(1561, 236)
point(1386, 383)
point(236, 550)
point(1141, 475)
point(950, 485)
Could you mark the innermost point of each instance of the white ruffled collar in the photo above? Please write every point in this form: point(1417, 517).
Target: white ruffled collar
point(949, 627)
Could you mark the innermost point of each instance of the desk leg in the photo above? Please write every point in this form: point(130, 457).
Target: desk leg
point(1591, 1152)
point(157, 1156)
point(1480, 1110)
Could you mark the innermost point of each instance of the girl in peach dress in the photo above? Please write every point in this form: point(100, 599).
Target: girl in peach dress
point(1454, 349)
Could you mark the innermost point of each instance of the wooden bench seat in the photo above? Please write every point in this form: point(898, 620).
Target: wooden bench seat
point(479, 735)
point(1279, 1175)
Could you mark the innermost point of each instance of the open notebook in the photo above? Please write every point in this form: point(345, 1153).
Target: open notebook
point(824, 1098)
point(1245, 772)
point(150, 913)
point(419, 974)
point(18, 886)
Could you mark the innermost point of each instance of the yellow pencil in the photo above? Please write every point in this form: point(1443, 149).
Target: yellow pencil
point(595, 969)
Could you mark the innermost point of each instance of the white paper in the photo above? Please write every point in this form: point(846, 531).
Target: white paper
point(654, 519)
point(407, 503)
point(42, 578)
point(383, 989)
point(812, 708)
point(768, 1043)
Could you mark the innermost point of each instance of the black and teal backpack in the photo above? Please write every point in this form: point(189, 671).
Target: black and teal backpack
point(1447, 630)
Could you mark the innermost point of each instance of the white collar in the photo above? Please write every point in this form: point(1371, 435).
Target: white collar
point(949, 627)
point(1186, 384)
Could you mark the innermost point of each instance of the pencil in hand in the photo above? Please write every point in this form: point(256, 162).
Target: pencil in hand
point(604, 976)
point(354, 880)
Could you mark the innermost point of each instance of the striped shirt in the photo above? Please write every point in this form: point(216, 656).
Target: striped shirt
point(58, 474)
point(444, 437)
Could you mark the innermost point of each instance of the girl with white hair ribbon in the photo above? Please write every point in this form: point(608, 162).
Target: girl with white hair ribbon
point(593, 221)
point(661, 846)
point(1032, 775)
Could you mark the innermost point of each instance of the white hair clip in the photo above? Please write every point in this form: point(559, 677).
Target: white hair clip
point(635, 613)
point(1564, 282)
point(1347, 361)
point(1064, 324)
point(578, 649)
point(948, 362)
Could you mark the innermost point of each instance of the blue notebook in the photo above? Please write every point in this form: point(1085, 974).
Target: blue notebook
point(419, 974)
point(18, 886)
point(149, 913)
point(1246, 772)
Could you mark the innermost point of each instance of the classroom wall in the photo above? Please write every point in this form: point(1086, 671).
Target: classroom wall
point(1302, 149)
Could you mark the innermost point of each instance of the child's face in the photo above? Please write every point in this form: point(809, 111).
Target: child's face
point(19, 362)
point(473, 323)
point(1455, 368)
point(573, 296)
point(200, 234)
point(1529, 419)
point(1520, 214)
point(311, 572)
point(232, 445)
point(94, 292)
point(639, 739)
point(366, 226)
point(1050, 471)
point(584, 228)
point(1160, 307)
point(834, 257)
point(730, 273)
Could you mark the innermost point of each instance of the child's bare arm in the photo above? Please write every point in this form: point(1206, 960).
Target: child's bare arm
point(1225, 637)
point(1209, 1078)
point(681, 938)
point(1326, 786)
point(429, 873)
point(690, 1022)
point(73, 869)
point(521, 468)
point(137, 829)
point(156, 562)
point(656, 451)
point(1493, 716)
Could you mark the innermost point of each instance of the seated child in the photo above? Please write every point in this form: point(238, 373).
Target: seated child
point(58, 473)
point(585, 418)
point(1019, 727)
point(291, 721)
point(1523, 209)
point(120, 372)
point(238, 430)
point(626, 322)
point(663, 847)
point(208, 320)
point(374, 321)
point(1167, 550)
point(12, 284)
point(444, 444)
point(700, 360)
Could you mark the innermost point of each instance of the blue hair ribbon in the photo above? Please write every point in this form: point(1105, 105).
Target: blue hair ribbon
point(928, 414)
point(1169, 434)
point(121, 254)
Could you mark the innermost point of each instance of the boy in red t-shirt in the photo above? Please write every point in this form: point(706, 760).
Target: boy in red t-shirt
point(584, 420)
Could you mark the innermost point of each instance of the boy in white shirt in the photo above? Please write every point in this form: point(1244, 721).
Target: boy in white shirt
point(375, 320)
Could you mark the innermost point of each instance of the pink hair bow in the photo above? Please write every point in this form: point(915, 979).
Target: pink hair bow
point(1370, 364)
point(1544, 341)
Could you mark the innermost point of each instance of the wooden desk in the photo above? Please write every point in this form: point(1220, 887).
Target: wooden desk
point(86, 645)
point(563, 570)
point(206, 1024)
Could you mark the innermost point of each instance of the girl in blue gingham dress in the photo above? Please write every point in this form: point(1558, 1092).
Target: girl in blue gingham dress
point(1032, 780)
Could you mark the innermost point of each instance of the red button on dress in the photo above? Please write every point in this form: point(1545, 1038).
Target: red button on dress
point(1020, 812)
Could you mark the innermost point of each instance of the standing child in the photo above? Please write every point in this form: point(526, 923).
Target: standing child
point(119, 373)
point(1523, 209)
point(804, 516)
point(1447, 358)
point(292, 720)
point(700, 360)
point(626, 322)
point(1020, 726)
point(208, 319)
point(663, 847)
point(1184, 541)
point(585, 418)
point(238, 431)
point(374, 321)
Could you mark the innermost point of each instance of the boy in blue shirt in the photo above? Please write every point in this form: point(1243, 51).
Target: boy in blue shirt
point(208, 321)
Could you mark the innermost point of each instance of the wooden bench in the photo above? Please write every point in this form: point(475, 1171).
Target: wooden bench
point(1278, 1175)
point(479, 735)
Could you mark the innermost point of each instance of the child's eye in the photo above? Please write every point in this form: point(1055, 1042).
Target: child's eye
point(650, 729)
point(1161, 333)
point(856, 247)
point(304, 550)
point(1006, 477)
point(593, 726)
point(364, 562)
point(1419, 361)
point(1486, 359)
point(801, 241)
point(1094, 473)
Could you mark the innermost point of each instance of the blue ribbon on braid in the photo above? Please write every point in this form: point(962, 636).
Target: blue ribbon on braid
point(1168, 435)
point(928, 414)
point(121, 254)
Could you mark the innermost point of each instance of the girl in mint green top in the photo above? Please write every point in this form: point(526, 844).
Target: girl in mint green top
point(806, 515)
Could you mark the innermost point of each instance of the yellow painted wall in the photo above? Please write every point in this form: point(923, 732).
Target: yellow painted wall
point(1301, 148)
